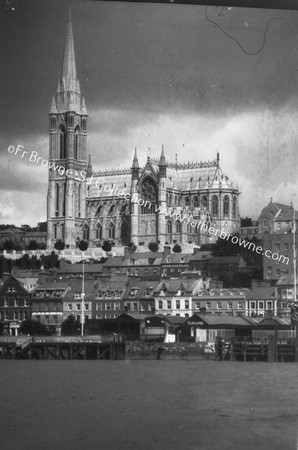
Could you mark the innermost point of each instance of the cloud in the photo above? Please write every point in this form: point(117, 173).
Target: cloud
point(257, 147)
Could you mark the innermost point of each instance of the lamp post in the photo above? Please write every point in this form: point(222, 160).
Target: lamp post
point(83, 245)
point(83, 297)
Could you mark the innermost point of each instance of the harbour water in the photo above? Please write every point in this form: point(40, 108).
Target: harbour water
point(134, 405)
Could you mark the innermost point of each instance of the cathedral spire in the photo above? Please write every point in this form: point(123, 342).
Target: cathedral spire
point(68, 92)
point(68, 72)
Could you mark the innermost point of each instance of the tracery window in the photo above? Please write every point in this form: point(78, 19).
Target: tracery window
point(226, 205)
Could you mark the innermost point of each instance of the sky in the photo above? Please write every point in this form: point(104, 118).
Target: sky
point(153, 75)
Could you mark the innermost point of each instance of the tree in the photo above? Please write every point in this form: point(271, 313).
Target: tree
point(106, 246)
point(32, 245)
point(132, 247)
point(8, 244)
point(70, 326)
point(224, 247)
point(83, 245)
point(59, 245)
point(26, 228)
point(176, 248)
point(34, 328)
point(42, 226)
point(246, 222)
point(153, 246)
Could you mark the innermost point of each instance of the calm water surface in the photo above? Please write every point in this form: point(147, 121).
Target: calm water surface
point(185, 405)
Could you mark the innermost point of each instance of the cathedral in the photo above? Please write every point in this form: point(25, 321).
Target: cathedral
point(141, 204)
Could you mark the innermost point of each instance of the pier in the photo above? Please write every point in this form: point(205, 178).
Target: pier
point(67, 348)
point(270, 350)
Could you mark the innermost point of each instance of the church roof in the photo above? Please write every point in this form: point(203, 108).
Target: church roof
point(181, 177)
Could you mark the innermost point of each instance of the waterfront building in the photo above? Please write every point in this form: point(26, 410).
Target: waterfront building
point(14, 304)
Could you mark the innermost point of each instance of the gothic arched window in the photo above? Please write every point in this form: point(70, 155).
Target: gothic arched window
point(178, 227)
point(57, 199)
point(62, 142)
point(79, 200)
point(196, 202)
point(169, 227)
point(64, 197)
point(98, 231)
point(76, 143)
point(111, 229)
point(234, 207)
point(86, 233)
point(226, 205)
point(124, 231)
point(214, 205)
point(204, 201)
point(148, 190)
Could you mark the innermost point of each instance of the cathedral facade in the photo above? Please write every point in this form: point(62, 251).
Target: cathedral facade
point(157, 201)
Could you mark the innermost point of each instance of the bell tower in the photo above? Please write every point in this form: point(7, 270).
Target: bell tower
point(66, 202)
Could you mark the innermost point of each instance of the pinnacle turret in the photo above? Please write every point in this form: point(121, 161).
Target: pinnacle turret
point(135, 163)
point(162, 161)
point(53, 109)
point(135, 167)
point(89, 167)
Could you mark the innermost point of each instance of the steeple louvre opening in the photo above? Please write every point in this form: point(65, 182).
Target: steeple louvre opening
point(62, 142)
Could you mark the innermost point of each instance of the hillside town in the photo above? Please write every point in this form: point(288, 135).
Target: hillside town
point(120, 290)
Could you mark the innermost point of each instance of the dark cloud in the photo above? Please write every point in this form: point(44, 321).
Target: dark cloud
point(156, 74)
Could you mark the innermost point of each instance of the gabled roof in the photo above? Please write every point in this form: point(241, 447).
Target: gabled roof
point(131, 316)
point(226, 260)
point(223, 293)
point(141, 286)
point(31, 273)
point(116, 261)
point(272, 321)
point(285, 280)
point(78, 268)
point(76, 286)
point(10, 280)
point(201, 256)
point(215, 320)
point(176, 258)
point(283, 230)
point(35, 234)
point(285, 213)
point(261, 293)
point(190, 286)
point(12, 230)
point(53, 285)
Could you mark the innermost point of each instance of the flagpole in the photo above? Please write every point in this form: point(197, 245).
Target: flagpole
point(83, 296)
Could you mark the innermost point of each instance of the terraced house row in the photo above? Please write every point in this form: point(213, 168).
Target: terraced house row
point(57, 297)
